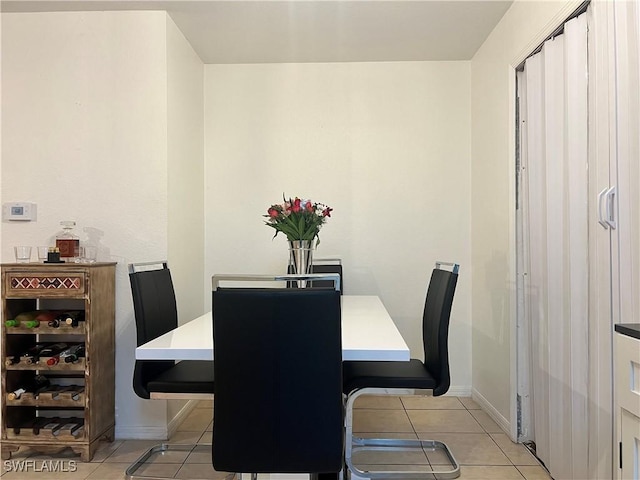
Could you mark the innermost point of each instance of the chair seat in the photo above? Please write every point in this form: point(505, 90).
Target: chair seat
point(411, 374)
point(187, 376)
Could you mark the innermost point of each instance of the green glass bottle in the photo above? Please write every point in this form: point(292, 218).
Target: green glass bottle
point(21, 318)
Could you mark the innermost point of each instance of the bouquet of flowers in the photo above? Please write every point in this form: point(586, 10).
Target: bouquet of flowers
point(298, 219)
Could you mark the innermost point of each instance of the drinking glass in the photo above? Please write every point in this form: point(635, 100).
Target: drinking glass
point(90, 254)
point(43, 253)
point(23, 254)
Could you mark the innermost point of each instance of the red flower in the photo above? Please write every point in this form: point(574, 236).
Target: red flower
point(273, 212)
point(295, 207)
point(309, 207)
point(327, 212)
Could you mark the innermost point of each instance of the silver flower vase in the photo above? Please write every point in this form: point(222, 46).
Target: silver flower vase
point(301, 258)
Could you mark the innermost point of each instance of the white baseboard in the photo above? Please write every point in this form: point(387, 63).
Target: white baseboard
point(454, 391)
point(140, 432)
point(489, 409)
point(155, 432)
point(458, 391)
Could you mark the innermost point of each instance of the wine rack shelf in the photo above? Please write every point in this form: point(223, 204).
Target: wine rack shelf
point(49, 429)
point(53, 396)
point(62, 329)
point(43, 367)
point(74, 404)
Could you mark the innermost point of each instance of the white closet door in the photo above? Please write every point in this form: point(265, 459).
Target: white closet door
point(555, 224)
point(601, 150)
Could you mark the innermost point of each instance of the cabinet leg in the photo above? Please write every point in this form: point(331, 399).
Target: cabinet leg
point(6, 451)
point(109, 435)
point(85, 452)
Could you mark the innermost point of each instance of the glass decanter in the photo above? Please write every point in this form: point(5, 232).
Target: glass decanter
point(67, 242)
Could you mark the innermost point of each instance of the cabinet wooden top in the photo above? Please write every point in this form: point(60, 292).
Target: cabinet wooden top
point(54, 266)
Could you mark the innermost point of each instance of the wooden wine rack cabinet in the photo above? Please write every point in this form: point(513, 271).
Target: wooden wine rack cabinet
point(78, 408)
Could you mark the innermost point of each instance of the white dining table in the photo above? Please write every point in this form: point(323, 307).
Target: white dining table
point(368, 333)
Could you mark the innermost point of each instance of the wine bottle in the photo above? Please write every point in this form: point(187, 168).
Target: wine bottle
point(21, 317)
point(53, 319)
point(53, 360)
point(74, 318)
point(44, 316)
point(35, 386)
point(69, 355)
point(31, 319)
point(12, 360)
point(30, 356)
point(71, 317)
point(72, 354)
point(50, 350)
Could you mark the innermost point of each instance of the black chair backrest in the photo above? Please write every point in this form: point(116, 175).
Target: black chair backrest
point(278, 389)
point(156, 313)
point(154, 303)
point(321, 268)
point(435, 326)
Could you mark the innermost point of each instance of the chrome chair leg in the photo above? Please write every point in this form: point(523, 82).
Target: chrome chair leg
point(160, 449)
point(356, 444)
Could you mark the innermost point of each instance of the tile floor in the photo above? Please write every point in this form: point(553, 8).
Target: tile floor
point(483, 450)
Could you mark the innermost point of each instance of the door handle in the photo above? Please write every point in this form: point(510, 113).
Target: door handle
point(610, 219)
point(601, 219)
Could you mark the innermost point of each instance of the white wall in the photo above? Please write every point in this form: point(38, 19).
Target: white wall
point(387, 145)
point(84, 135)
point(185, 172)
point(525, 25)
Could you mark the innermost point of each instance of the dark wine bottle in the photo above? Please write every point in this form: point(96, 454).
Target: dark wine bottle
point(71, 318)
point(72, 354)
point(74, 318)
point(51, 350)
point(35, 386)
point(30, 356)
point(12, 360)
point(45, 316)
point(53, 360)
point(69, 355)
point(53, 319)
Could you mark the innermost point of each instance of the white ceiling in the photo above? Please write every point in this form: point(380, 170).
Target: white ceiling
point(271, 31)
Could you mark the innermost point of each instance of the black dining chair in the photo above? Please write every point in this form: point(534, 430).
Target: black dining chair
point(322, 265)
point(278, 405)
point(395, 378)
point(156, 313)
